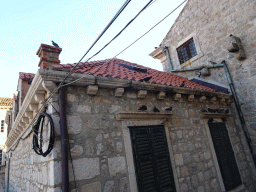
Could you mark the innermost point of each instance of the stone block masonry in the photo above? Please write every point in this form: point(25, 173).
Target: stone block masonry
point(98, 146)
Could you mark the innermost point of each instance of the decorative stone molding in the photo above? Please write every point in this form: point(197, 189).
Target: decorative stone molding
point(213, 100)
point(91, 89)
point(215, 115)
point(29, 114)
point(49, 86)
point(33, 107)
point(119, 92)
point(235, 45)
point(39, 98)
point(223, 101)
point(159, 54)
point(25, 120)
point(191, 98)
point(142, 116)
point(202, 99)
point(161, 95)
point(142, 94)
point(177, 97)
point(22, 124)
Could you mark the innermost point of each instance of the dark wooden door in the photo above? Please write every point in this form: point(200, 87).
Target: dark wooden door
point(152, 159)
point(225, 155)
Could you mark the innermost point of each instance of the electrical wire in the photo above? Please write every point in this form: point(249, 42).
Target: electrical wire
point(38, 139)
point(132, 42)
point(61, 84)
point(119, 32)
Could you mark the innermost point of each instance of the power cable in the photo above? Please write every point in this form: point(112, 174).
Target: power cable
point(132, 42)
point(61, 84)
point(118, 33)
point(105, 29)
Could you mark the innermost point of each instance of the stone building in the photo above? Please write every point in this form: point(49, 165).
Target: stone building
point(208, 32)
point(130, 128)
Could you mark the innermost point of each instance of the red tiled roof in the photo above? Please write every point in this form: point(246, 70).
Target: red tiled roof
point(26, 76)
point(107, 68)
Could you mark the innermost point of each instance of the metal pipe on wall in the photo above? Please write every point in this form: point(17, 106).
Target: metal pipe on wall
point(64, 140)
point(231, 85)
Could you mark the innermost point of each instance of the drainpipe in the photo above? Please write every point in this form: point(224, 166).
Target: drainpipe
point(166, 50)
point(239, 111)
point(64, 140)
point(231, 85)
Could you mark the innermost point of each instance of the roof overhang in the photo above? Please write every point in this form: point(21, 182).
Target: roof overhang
point(43, 80)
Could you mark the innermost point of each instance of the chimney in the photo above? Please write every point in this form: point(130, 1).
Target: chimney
point(49, 55)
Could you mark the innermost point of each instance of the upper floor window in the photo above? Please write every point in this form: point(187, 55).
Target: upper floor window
point(1, 156)
point(187, 51)
point(2, 126)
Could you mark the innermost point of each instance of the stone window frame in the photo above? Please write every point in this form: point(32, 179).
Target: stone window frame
point(130, 122)
point(215, 160)
point(180, 43)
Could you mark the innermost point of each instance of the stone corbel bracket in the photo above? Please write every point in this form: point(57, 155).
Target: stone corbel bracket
point(142, 116)
point(235, 46)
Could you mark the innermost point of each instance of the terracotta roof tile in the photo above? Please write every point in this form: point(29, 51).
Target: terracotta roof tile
point(26, 76)
point(107, 68)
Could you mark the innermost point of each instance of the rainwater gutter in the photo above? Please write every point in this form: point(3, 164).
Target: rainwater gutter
point(8, 173)
point(231, 85)
point(64, 140)
point(166, 50)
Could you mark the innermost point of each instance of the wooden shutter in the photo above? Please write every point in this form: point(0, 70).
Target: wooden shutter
point(225, 155)
point(152, 160)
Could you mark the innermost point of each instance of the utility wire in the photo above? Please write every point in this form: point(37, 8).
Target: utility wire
point(132, 42)
point(101, 34)
point(61, 83)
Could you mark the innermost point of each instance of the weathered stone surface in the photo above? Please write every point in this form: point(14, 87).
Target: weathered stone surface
point(77, 150)
point(184, 171)
point(85, 168)
point(84, 109)
point(178, 159)
point(116, 165)
point(109, 187)
point(123, 185)
point(74, 124)
point(92, 187)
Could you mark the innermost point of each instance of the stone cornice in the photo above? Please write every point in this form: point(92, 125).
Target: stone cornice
point(159, 54)
point(14, 134)
point(107, 82)
point(142, 116)
point(215, 115)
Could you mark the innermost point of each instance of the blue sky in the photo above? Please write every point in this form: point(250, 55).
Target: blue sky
point(74, 25)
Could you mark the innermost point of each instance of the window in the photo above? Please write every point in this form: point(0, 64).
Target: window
point(1, 156)
point(2, 126)
point(152, 159)
point(225, 156)
point(187, 51)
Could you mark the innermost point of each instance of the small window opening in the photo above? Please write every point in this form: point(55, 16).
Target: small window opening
point(2, 126)
point(187, 51)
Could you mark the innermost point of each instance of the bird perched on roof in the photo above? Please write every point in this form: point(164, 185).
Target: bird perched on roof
point(143, 108)
point(212, 110)
point(146, 79)
point(55, 44)
point(156, 110)
point(182, 84)
point(220, 110)
point(212, 62)
point(168, 109)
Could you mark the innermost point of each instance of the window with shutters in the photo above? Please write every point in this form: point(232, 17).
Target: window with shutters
point(225, 156)
point(152, 159)
point(187, 51)
point(1, 156)
point(2, 126)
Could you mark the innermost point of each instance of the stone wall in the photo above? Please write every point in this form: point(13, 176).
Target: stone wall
point(32, 172)
point(101, 150)
point(210, 22)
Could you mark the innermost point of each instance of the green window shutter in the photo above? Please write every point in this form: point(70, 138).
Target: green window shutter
point(225, 155)
point(152, 160)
